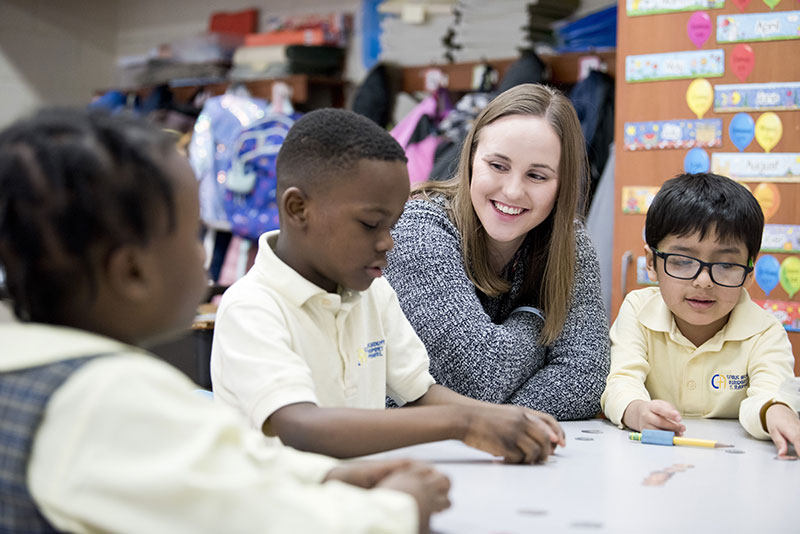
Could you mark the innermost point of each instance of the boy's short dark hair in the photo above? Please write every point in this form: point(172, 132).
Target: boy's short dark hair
point(327, 143)
point(705, 202)
point(74, 185)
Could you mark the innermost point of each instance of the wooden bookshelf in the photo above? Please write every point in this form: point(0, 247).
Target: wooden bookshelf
point(564, 70)
point(305, 89)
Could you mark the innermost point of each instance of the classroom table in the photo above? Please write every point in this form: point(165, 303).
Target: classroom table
point(599, 483)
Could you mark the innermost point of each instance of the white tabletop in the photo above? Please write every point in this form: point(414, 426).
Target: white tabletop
point(596, 484)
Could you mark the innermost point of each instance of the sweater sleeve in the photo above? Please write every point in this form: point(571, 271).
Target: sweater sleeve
point(572, 380)
point(469, 353)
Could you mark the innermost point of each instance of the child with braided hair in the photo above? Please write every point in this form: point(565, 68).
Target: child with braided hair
point(99, 245)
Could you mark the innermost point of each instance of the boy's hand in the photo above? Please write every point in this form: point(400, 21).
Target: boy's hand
point(557, 433)
point(518, 434)
point(783, 426)
point(428, 486)
point(655, 414)
point(366, 474)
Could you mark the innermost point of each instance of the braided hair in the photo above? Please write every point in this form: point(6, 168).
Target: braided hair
point(74, 186)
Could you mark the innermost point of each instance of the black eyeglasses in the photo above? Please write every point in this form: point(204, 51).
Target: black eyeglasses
point(688, 268)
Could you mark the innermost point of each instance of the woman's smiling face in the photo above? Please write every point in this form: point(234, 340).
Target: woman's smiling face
point(514, 182)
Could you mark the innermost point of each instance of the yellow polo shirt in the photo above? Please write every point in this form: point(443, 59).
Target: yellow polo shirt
point(279, 340)
point(126, 445)
point(733, 374)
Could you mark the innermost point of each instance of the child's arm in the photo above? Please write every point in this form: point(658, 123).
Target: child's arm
point(427, 486)
point(508, 431)
point(625, 400)
point(783, 426)
point(440, 395)
point(770, 364)
point(106, 455)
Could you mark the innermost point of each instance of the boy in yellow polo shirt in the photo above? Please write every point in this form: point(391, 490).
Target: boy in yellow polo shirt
point(308, 344)
point(697, 346)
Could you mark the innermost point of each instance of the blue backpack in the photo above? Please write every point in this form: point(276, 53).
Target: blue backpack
point(250, 199)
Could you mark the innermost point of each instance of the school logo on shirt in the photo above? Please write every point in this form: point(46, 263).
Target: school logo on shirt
point(734, 382)
point(371, 350)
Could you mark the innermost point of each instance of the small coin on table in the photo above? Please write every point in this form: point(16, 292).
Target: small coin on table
point(532, 511)
point(586, 524)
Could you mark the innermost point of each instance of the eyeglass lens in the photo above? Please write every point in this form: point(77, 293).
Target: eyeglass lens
point(729, 274)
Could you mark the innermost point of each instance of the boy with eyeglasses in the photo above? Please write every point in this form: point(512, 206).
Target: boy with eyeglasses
point(697, 346)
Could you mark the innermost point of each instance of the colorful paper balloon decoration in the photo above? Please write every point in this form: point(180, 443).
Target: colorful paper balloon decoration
point(769, 198)
point(769, 130)
point(767, 273)
point(741, 4)
point(696, 160)
point(700, 96)
point(742, 61)
point(699, 28)
point(790, 275)
point(741, 130)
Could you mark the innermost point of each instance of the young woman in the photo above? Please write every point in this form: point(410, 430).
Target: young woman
point(496, 275)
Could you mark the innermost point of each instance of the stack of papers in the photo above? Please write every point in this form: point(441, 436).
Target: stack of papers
point(409, 43)
point(501, 28)
point(416, 32)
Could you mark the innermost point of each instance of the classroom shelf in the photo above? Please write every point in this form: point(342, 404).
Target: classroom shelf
point(308, 91)
point(564, 69)
point(303, 88)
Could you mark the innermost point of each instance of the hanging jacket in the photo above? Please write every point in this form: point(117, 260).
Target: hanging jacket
point(417, 133)
point(593, 98)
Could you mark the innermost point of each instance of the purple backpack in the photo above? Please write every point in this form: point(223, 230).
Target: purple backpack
point(250, 199)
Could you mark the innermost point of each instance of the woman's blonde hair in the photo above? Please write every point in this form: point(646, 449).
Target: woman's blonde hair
point(550, 272)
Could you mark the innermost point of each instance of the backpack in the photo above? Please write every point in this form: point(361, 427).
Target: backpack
point(250, 196)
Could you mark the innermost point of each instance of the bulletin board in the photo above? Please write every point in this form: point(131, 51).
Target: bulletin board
point(723, 97)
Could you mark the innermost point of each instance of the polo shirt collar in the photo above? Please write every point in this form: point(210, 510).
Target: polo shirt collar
point(746, 320)
point(655, 315)
point(275, 273)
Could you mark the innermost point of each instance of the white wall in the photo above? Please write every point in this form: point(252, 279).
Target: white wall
point(589, 6)
point(54, 52)
point(144, 24)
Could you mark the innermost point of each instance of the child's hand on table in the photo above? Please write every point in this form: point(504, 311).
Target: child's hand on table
point(783, 426)
point(655, 414)
point(518, 434)
point(428, 486)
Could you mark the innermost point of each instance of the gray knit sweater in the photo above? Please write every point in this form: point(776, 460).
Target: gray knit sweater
point(478, 345)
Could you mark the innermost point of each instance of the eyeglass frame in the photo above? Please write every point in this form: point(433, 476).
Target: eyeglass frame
point(703, 264)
